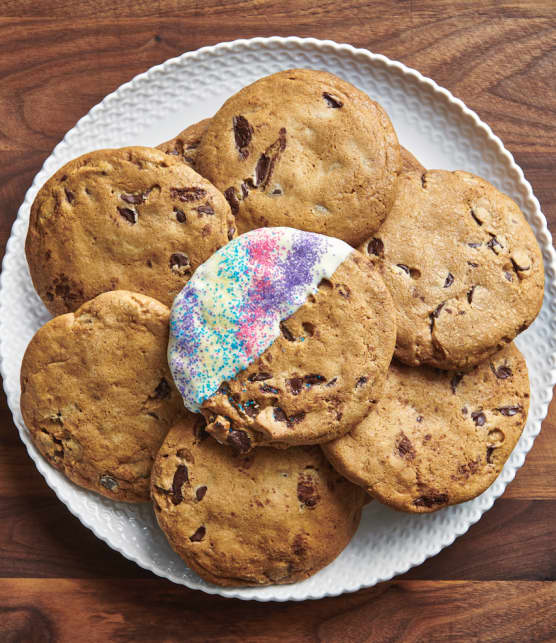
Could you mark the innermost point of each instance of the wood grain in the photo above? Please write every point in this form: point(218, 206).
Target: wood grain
point(397, 611)
point(58, 582)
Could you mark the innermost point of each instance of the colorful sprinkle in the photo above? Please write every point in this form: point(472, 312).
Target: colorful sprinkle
point(230, 310)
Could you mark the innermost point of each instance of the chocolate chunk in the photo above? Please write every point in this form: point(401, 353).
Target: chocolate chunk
point(266, 388)
point(306, 491)
point(449, 280)
point(205, 209)
point(259, 377)
point(430, 500)
point(135, 199)
point(69, 195)
point(502, 372)
point(181, 476)
point(509, 411)
point(509, 276)
point(200, 493)
point(296, 384)
point(478, 417)
point(163, 390)
point(199, 429)
point(232, 199)
point(298, 545)
point(128, 215)
point(313, 378)
point(470, 294)
point(344, 291)
point(477, 220)
point(243, 133)
point(404, 447)
point(419, 419)
point(261, 169)
point(108, 482)
point(493, 243)
point(267, 160)
point(456, 379)
point(296, 418)
point(279, 415)
point(376, 247)
point(179, 260)
point(180, 215)
point(198, 535)
point(332, 101)
point(188, 194)
point(308, 328)
point(489, 454)
point(362, 380)
point(434, 314)
point(244, 190)
point(238, 440)
point(286, 332)
point(251, 408)
point(403, 267)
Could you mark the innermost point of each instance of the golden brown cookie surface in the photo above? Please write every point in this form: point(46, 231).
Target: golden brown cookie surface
point(321, 376)
point(269, 517)
point(133, 218)
point(462, 265)
point(409, 162)
point(97, 394)
point(186, 143)
point(303, 149)
point(437, 438)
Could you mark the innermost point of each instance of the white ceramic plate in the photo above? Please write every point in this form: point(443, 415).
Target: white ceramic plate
point(438, 128)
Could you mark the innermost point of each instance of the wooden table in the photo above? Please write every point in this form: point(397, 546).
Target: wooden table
point(57, 581)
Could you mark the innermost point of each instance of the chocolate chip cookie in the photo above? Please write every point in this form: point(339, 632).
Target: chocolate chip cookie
point(97, 395)
point(303, 149)
point(462, 265)
point(321, 376)
point(186, 143)
point(270, 517)
point(437, 438)
point(133, 218)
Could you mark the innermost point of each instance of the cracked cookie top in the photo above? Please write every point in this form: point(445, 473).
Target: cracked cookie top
point(462, 265)
point(437, 438)
point(269, 517)
point(133, 218)
point(97, 394)
point(305, 149)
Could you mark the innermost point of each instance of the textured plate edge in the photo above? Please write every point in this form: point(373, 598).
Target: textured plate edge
point(549, 260)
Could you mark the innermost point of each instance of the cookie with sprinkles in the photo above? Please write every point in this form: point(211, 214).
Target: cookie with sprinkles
point(305, 149)
point(282, 337)
point(269, 517)
point(131, 218)
point(437, 438)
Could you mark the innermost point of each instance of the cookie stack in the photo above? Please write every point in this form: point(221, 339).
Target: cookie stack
point(272, 317)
